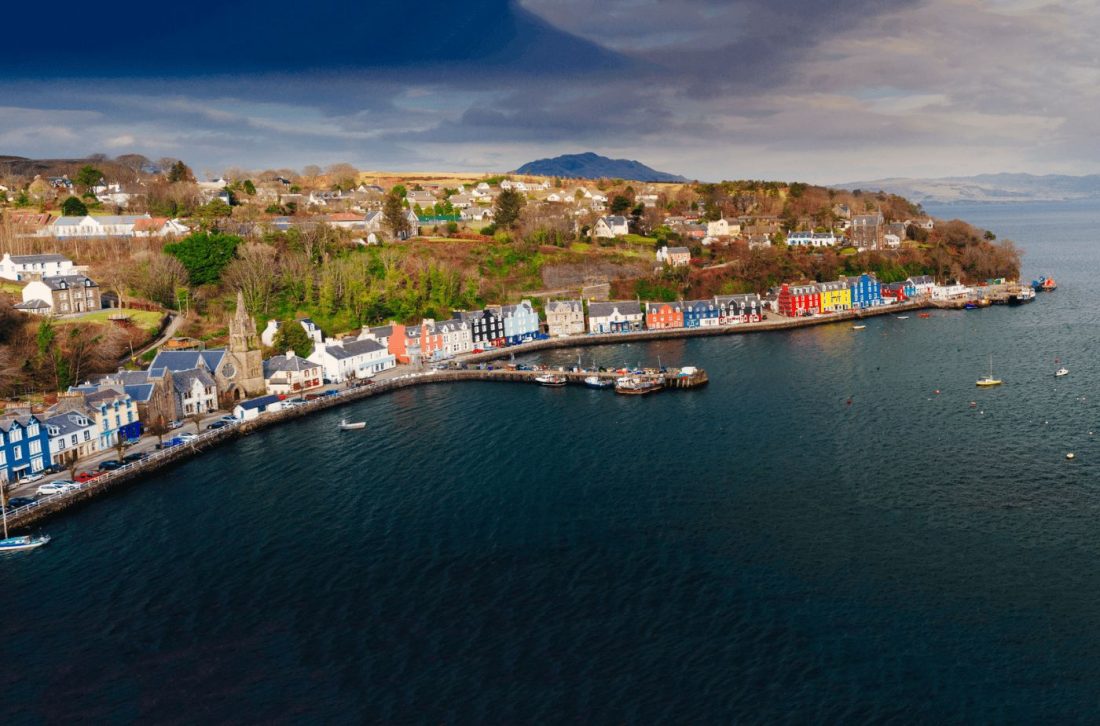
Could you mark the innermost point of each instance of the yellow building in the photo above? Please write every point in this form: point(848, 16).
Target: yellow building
point(835, 296)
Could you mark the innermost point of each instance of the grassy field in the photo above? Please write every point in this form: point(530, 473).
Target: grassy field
point(13, 287)
point(145, 319)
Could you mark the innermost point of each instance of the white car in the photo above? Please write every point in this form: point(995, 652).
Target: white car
point(187, 437)
point(32, 478)
point(51, 488)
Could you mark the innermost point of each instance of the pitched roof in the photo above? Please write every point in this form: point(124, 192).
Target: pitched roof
point(261, 402)
point(63, 282)
point(604, 309)
point(140, 393)
point(282, 363)
point(564, 306)
point(183, 360)
point(35, 304)
point(658, 305)
point(69, 422)
point(182, 381)
point(354, 348)
point(33, 259)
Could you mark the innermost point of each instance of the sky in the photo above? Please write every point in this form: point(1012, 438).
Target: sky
point(823, 91)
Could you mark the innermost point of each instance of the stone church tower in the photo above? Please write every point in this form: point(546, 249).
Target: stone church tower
point(243, 367)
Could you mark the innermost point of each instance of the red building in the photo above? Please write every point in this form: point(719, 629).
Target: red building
point(799, 300)
point(662, 316)
point(421, 340)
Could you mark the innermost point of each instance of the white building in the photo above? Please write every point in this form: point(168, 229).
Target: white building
point(615, 317)
point(921, 285)
point(951, 291)
point(34, 267)
point(352, 360)
point(195, 390)
point(70, 431)
point(723, 228)
point(267, 337)
point(92, 227)
point(253, 408)
point(812, 239)
point(611, 227)
point(290, 374)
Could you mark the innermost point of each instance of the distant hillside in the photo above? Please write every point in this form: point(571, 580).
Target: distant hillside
point(119, 169)
point(594, 166)
point(988, 188)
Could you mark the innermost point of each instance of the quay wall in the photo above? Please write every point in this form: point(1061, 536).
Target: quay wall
point(126, 475)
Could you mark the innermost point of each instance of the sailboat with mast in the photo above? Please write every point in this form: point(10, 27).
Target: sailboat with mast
point(989, 381)
point(17, 544)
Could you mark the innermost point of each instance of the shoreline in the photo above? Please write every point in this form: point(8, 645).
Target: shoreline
point(132, 473)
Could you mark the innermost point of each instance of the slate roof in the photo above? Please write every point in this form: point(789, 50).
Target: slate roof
point(261, 402)
point(33, 259)
point(922, 280)
point(354, 348)
point(104, 395)
point(183, 380)
point(63, 282)
point(69, 422)
point(283, 363)
point(564, 306)
point(32, 305)
point(604, 309)
point(7, 423)
point(140, 393)
point(656, 306)
point(184, 360)
point(679, 251)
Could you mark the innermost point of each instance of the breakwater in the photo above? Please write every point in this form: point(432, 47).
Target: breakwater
point(48, 506)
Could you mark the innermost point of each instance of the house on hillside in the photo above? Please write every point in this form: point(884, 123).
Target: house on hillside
point(34, 267)
point(160, 227)
point(611, 227)
point(674, 256)
point(867, 231)
point(267, 337)
point(723, 228)
point(62, 294)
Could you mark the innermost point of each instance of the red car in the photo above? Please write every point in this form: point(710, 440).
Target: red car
point(86, 476)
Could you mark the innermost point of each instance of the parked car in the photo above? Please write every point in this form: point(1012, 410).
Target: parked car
point(184, 438)
point(219, 424)
point(131, 458)
point(228, 418)
point(331, 393)
point(49, 489)
point(175, 424)
point(31, 478)
point(110, 465)
point(86, 476)
point(17, 502)
point(68, 484)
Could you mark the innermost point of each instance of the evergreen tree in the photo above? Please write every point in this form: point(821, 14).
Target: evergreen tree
point(73, 207)
point(507, 208)
point(292, 336)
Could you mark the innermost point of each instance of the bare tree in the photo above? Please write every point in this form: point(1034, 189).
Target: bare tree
point(254, 273)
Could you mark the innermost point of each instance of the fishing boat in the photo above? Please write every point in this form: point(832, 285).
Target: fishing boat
point(858, 327)
point(550, 380)
point(346, 425)
point(21, 543)
point(1024, 296)
point(971, 305)
point(638, 385)
point(989, 380)
point(597, 382)
point(1061, 372)
point(1044, 284)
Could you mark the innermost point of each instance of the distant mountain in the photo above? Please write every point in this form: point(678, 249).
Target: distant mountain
point(594, 166)
point(988, 188)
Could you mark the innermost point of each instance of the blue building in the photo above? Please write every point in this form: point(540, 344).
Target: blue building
point(866, 291)
point(521, 322)
point(24, 447)
point(700, 313)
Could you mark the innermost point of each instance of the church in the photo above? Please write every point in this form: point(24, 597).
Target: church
point(238, 370)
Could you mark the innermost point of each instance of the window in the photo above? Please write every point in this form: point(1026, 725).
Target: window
point(16, 434)
point(87, 435)
point(35, 447)
point(61, 444)
point(3, 458)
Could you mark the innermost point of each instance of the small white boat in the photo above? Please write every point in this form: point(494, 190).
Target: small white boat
point(20, 544)
point(597, 382)
point(346, 425)
point(1061, 372)
point(858, 327)
point(902, 317)
point(550, 380)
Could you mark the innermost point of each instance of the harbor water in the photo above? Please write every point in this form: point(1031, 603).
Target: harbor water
point(829, 531)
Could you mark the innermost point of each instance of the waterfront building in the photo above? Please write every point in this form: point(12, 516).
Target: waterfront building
point(289, 374)
point(920, 286)
point(486, 326)
point(734, 309)
point(456, 338)
point(895, 292)
point(114, 416)
point(415, 343)
point(835, 296)
point(253, 407)
point(950, 291)
point(349, 360)
point(152, 391)
point(663, 315)
point(564, 317)
point(24, 446)
point(34, 267)
point(615, 317)
point(701, 314)
point(866, 291)
point(61, 295)
point(798, 300)
point(71, 435)
point(521, 322)
point(195, 392)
